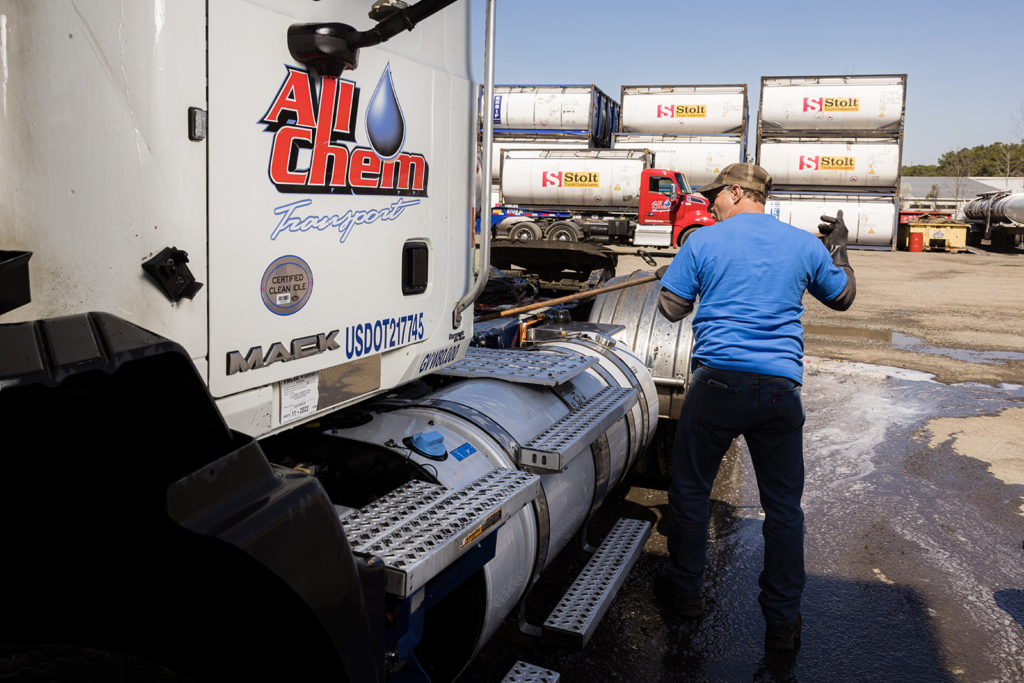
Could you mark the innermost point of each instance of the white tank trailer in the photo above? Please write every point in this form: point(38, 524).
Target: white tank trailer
point(820, 105)
point(871, 219)
point(587, 179)
point(555, 109)
point(699, 158)
point(684, 109)
point(843, 163)
point(502, 143)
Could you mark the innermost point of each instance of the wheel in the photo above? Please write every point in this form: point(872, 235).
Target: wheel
point(525, 230)
point(685, 235)
point(563, 231)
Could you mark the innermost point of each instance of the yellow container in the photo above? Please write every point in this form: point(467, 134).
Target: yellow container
point(936, 236)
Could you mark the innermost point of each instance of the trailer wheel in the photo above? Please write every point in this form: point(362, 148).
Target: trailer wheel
point(563, 231)
point(685, 235)
point(525, 230)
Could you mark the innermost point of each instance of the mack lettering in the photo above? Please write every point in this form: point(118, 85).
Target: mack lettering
point(300, 347)
point(291, 221)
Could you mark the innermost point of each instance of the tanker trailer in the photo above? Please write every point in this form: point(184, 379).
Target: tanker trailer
point(996, 216)
point(595, 195)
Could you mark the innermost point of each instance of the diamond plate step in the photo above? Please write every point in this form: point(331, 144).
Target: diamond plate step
point(419, 529)
point(525, 367)
point(524, 672)
point(554, 448)
point(577, 614)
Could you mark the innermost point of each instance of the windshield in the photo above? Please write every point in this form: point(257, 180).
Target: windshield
point(683, 185)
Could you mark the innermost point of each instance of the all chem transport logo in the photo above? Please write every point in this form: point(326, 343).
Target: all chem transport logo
point(682, 111)
point(831, 104)
point(570, 179)
point(314, 148)
point(827, 163)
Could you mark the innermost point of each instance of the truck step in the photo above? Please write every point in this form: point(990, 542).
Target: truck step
point(419, 529)
point(554, 448)
point(516, 365)
point(577, 614)
point(524, 672)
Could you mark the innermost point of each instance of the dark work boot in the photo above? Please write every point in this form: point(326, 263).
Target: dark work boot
point(785, 637)
point(686, 606)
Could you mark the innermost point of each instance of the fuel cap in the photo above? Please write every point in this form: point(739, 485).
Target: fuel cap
point(428, 444)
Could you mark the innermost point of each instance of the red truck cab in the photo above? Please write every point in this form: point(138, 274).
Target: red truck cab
point(669, 211)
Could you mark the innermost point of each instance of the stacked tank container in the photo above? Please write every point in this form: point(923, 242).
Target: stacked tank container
point(695, 129)
point(549, 117)
point(834, 142)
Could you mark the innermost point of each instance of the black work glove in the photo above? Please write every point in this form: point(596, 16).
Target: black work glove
point(835, 235)
point(660, 272)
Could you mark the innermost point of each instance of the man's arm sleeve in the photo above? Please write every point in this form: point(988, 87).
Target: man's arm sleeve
point(844, 299)
point(673, 306)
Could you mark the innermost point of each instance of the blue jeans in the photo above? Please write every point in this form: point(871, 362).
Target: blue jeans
point(767, 410)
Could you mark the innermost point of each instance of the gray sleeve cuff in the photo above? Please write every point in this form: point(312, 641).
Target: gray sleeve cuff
point(673, 306)
point(845, 298)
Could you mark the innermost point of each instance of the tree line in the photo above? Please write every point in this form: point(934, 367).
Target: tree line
point(998, 159)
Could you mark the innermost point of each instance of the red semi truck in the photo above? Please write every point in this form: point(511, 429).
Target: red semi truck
point(597, 195)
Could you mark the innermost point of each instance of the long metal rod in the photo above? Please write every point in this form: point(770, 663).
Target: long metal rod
point(484, 213)
point(565, 299)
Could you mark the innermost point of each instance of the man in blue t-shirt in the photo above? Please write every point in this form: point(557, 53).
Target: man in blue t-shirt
point(750, 272)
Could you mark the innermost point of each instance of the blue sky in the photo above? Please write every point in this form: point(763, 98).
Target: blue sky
point(964, 61)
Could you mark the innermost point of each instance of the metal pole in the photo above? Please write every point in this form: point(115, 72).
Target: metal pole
point(565, 299)
point(484, 216)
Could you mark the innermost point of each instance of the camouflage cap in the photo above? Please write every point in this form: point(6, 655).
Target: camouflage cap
point(747, 176)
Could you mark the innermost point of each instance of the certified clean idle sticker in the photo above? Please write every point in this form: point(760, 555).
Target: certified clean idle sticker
point(286, 285)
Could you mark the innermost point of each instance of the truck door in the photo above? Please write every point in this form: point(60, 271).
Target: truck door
point(339, 209)
point(656, 205)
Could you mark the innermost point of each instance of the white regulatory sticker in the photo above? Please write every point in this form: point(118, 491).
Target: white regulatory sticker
point(299, 396)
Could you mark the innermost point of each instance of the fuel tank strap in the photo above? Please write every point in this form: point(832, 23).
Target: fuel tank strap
point(507, 443)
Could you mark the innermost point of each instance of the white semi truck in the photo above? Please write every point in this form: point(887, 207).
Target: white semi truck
point(245, 435)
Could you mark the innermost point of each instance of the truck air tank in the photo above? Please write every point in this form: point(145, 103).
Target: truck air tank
point(592, 179)
point(997, 209)
point(664, 347)
point(684, 109)
point(865, 105)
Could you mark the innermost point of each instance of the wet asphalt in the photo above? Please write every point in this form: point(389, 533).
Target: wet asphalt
point(914, 556)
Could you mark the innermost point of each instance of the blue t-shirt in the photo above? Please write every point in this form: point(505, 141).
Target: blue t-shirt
point(750, 273)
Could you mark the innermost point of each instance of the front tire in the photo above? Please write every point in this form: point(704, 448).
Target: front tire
point(685, 234)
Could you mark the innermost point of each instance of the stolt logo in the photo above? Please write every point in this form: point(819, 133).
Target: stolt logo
point(827, 163)
point(314, 150)
point(570, 179)
point(682, 111)
point(831, 104)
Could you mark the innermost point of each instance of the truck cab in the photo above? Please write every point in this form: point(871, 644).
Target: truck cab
point(669, 209)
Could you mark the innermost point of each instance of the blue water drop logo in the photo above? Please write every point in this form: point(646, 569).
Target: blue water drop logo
point(385, 124)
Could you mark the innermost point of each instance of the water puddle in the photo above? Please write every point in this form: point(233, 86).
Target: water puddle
point(905, 342)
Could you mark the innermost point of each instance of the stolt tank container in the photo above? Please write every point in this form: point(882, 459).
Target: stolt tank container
point(589, 178)
point(684, 109)
point(870, 218)
point(849, 163)
point(823, 105)
point(551, 109)
point(532, 142)
point(699, 158)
